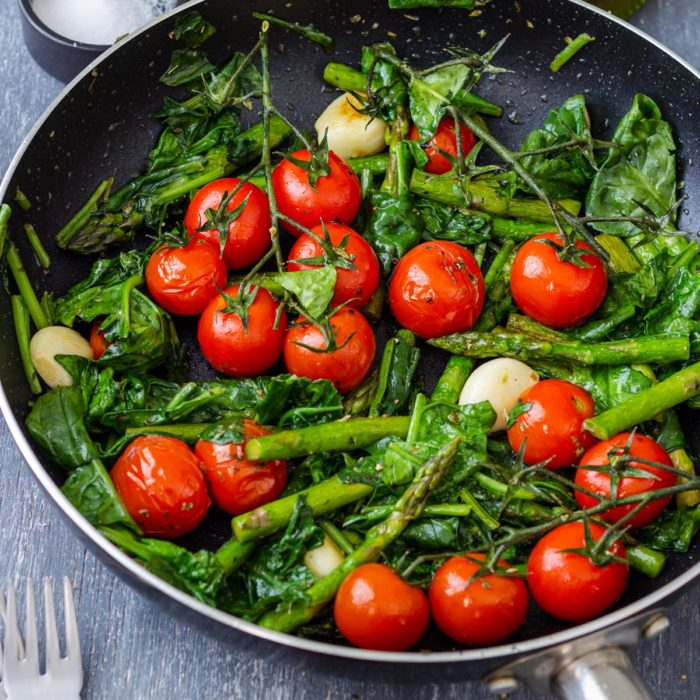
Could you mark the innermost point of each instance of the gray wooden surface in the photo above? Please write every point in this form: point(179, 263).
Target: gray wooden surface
point(133, 650)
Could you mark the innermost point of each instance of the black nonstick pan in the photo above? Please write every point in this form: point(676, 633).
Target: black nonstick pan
point(102, 126)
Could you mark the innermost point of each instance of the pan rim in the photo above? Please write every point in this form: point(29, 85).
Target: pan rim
point(141, 575)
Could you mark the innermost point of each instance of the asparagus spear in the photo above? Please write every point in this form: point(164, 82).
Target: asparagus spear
point(320, 498)
point(347, 78)
point(336, 436)
point(448, 190)
point(23, 333)
point(97, 226)
point(660, 349)
point(408, 507)
point(36, 311)
point(674, 390)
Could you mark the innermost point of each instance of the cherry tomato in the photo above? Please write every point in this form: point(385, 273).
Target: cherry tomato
point(336, 196)
point(483, 611)
point(248, 236)
point(357, 276)
point(376, 609)
point(184, 279)
point(444, 139)
point(569, 585)
point(601, 454)
point(238, 485)
point(347, 365)
point(238, 349)
point(551, 423)
point(161, 484)
point(97, 341)
point(558, 294)
point(436, 289)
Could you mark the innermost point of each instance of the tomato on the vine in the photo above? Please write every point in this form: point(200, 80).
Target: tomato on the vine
point(239, 336)
point(184, 279)
point(247, 233)
point(479, 611)
point(557, 293)
point(346, 363)
point(436, 289)
point(334, 197)
point(238, 485)
point(548, 418)
point(376, 609)
point(161, 484)
point(568, 584)
point(606, 454)
point(444, 141)
point(97, 340)
point(356, 264)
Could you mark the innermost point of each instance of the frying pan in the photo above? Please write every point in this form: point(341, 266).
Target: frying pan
point(101, 125)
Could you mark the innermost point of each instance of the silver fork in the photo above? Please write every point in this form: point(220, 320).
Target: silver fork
point(21, 677)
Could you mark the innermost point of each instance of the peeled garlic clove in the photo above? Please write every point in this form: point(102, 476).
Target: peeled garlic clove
point(500, 382)
point(349, 133)
point(56, 340)
point(324, 559)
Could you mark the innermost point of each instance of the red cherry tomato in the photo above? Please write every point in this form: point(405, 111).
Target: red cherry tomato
point(336, 196)
point(161, 484)
point(357, 278)
point(601, 454)
point(242, 350)
point(184, 279)
point(238, 485)
point(248, 236)
point(558, 294)
point(445, 139)
point(376, 609)
point(551, 426)
point(347, 365)
point(97, 341)
point(569, 585)
point(483, 611)
point(436, 289)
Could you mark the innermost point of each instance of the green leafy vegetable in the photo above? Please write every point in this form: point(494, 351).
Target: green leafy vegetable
point(313, 289)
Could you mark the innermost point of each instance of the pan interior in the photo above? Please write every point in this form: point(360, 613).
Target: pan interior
point(103, 127)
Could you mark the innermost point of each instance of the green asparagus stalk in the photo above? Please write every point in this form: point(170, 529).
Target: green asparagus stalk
point(646, 560)
point(336, 436)
point(347, 78)
point(407, 508)
point(41, 255)
point(657, 349)
point(432, 510)
point(233, 554)
point(97, 226)
point(571, 49)
point(448, 190)
point(5, 212)
point(187, 432)
point(14, 262)
point(22, 200)
point(320, 498)
point(23, 333)
point(451, 381)
point(674, 390)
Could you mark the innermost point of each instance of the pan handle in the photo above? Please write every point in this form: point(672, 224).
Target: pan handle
point(606, 674)
point(594, 667)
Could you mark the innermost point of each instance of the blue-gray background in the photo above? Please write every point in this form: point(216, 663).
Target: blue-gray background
point(133, 650)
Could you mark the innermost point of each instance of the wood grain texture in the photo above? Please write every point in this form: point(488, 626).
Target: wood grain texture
point(133, 650)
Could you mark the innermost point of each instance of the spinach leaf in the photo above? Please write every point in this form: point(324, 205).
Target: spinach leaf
point(191, 29)
point(639, 173)
point(562, 173)
point(673, 530)
point(446, 223)
point(394, 387)
point(91, 490)
point(313, 289)
point(389, 89)
point(198, 573)
point(56, 424)
point(433, 534)
point(186, 66)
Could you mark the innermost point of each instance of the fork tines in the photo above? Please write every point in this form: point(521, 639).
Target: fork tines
point(21, 675)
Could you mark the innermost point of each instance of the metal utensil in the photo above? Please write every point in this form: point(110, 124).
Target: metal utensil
point(21, 674)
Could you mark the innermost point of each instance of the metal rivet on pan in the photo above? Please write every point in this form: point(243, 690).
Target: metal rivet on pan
point(503, 684)
point(655, 626)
